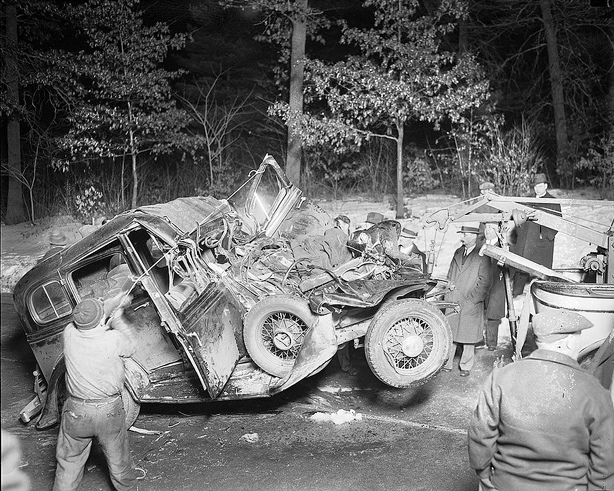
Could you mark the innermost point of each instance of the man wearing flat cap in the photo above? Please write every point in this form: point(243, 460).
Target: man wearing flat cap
point(543, 423)
point(94, 345)
point(469, 278)
point(534, 241)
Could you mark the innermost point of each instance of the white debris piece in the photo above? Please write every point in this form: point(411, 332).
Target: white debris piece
point(250, 438)
point(340, 417)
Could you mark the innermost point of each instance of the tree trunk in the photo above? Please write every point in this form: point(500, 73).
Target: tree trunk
point(297, 69)
point(15, 212)
point(135, 180)
point(556, 87)
point(400, 197)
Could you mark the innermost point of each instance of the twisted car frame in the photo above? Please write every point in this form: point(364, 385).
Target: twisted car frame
point(237, 298)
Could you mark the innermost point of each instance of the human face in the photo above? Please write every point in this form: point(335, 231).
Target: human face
point(468, 239)
point(540, 189)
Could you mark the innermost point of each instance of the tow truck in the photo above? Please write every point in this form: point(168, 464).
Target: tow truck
point(587, 289)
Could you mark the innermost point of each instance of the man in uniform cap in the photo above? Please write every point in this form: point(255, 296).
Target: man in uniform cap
point(94, 346)
point(469, 278)
point(543, 423)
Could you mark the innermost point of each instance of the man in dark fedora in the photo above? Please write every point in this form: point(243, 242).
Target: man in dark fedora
point(534, 241)
point(469, 278)
point(543, 423)
point(94, 345)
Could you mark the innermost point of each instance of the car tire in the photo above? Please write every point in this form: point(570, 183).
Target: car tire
point(407, 342)
point(131, 407)
point(274, 330)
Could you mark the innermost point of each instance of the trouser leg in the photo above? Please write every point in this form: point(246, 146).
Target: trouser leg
point(113, 439)
point(73, 448)
point(467, 357)
point(451, 354)
point(492, 332)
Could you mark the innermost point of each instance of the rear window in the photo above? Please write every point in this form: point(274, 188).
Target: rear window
point(49, 302)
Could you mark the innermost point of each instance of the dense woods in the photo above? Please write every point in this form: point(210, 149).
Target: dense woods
point(111, 104)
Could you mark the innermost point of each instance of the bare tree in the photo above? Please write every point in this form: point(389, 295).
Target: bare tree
point(218, 122)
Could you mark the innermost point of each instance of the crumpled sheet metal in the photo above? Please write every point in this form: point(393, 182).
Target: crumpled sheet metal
point(362, 293)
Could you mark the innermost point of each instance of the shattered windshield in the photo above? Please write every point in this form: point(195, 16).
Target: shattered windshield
point(257, 199)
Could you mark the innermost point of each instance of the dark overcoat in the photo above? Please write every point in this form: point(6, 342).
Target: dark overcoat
point(469, 283)
point(495, 299)
point(543, 424)
point(536, 242)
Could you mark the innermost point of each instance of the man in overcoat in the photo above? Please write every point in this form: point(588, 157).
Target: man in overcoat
point(469, 280)
point(534, 241)
point(543, 423)
point(494, 302)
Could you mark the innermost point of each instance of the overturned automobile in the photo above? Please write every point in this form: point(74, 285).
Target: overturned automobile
point(237, 298)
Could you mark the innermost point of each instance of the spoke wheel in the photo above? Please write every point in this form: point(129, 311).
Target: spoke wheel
point(407, 342)
point(274, 330)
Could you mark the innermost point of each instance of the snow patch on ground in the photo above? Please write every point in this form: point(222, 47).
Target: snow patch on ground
point(25, 243)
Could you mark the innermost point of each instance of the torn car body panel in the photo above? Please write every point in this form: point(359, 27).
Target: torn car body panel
point(198, 269)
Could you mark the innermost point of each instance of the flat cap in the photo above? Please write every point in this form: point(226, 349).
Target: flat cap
point(486, 185)
point(374, 217)
point(88, 313)
point(539, 179)
point(552, 325)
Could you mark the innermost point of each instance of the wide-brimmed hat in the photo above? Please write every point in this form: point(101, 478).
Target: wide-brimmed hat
point(467, 229)
point(486, 185)
point(540, 179)
point(88, 313)
point(551, 326)
point(374, 217)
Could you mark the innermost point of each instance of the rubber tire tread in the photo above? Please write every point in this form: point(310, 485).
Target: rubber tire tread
point(252, 326)
point(389, 314)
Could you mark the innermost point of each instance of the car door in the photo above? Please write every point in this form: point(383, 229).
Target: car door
point(204, 326)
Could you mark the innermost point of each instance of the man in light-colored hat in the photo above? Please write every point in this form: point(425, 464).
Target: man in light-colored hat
point(534, 241)
point(469, 278)
point(544, 423)
point(94, 346)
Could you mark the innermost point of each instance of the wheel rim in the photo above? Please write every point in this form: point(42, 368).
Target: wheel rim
point(283, 334)
point(408, 344)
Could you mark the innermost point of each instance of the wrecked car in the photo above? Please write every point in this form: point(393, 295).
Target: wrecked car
point(236, 298)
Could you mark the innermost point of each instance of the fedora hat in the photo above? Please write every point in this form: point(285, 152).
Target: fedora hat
point(57, 238)
point(408, 233)
point(374, 217)
point(540, 179)
point(467, 229)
